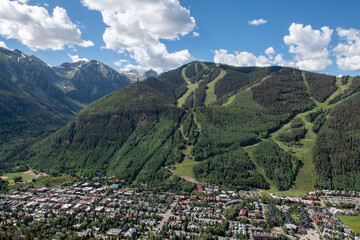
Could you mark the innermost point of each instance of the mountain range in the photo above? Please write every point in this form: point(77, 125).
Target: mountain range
point(242, 127)
point(36, 99)
point(135, 76)
point(86, 82)
point(273, 128)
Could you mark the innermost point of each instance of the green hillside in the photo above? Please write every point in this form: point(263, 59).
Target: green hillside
point(37, 100)
point(233, 126)
point(31, 106)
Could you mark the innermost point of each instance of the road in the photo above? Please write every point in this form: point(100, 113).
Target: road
point(165, 216)
point(314, 234)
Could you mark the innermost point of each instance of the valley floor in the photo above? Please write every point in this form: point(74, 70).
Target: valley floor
point(102, 207)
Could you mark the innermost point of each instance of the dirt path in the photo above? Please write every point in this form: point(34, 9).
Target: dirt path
point(189, 179)
point(185, 164)
point(30, 172)
point(186, 178)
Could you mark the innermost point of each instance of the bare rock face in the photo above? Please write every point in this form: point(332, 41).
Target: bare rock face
point(86, 82)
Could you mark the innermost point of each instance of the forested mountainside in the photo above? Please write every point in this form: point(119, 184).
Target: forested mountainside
point(31, 106)
point(34, 103)
point(242, 127)
point(337, 150)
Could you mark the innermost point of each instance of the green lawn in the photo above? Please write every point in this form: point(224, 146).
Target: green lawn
point(185, 168)
point(25, 176)
point(46, 181)
point(352, 222)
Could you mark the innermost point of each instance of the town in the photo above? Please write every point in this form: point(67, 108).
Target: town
point(105, 208)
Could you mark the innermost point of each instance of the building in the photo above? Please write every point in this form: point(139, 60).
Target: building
point(291, 227)
point(114, 232)
point(243, 212)
point(130, 234)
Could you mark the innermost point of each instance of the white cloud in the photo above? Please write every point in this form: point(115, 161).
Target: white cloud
point(3, 45)
point(310, 47)
point(246, 59)
point(270, 51)
point(129, 67)
point(196, 34)
point(76, 58)
point(257, 22)
point(136, 27)
point(348, 52)
point(36, 28)
point(240, 59)
point(120, 62)
point(280, 61)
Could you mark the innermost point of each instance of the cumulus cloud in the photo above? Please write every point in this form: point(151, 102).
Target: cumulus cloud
point(76, 58)
point(3, 45)
point(257, 22)
point(129, 67)
point(240, 59)
point(36, 28)
point(348, 52)
point(270, 51)
point(196, 34)
point(120, 62)
point(137, 26)
point(309, 46)
point(246, 59)
point(125, 66)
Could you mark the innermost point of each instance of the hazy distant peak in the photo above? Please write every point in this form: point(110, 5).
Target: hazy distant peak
point(134, 75)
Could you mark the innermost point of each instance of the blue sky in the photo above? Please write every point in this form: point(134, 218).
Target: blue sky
point(322, 35)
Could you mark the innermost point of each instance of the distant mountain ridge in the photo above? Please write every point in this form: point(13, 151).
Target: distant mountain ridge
point(86, 82)
point(135, 76)
point(68, 67)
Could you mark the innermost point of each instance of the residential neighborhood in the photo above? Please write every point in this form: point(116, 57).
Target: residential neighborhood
point(98, 209)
